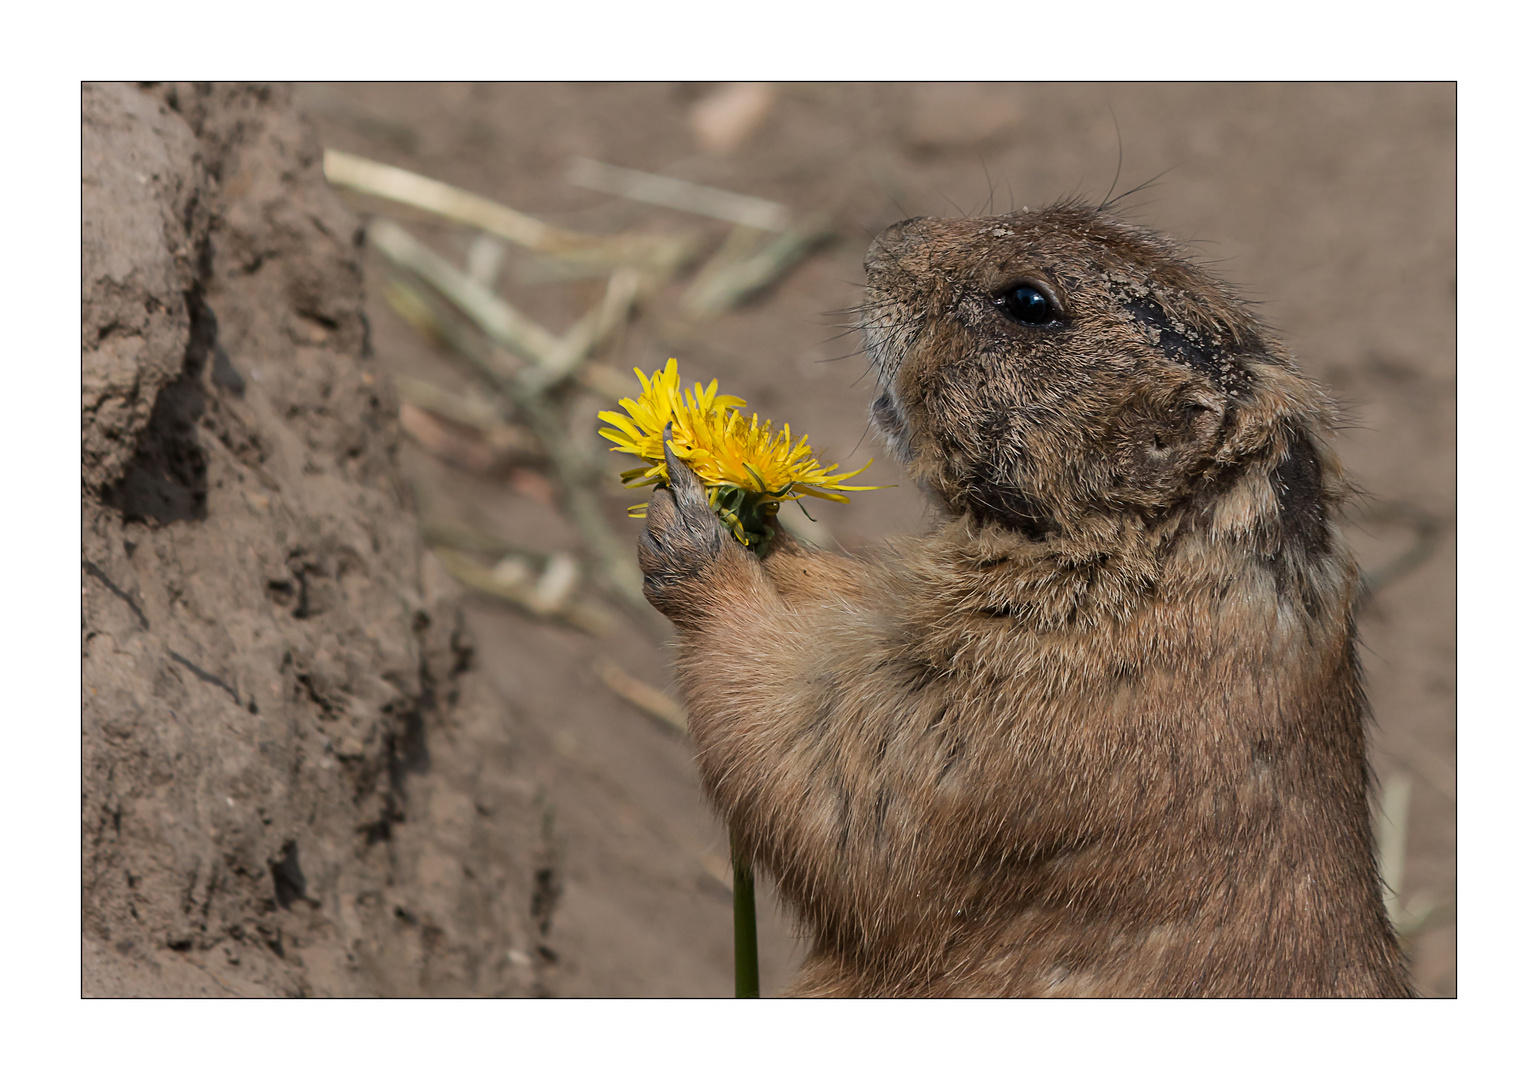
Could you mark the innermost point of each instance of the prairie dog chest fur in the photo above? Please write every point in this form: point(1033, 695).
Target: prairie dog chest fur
point(1101, 731)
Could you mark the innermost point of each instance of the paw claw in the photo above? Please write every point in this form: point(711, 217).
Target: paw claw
point(685, 485)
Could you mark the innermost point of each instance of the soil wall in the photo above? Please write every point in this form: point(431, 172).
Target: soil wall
point(293, 782)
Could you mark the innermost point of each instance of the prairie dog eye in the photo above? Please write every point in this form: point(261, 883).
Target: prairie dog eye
point(1029, 304)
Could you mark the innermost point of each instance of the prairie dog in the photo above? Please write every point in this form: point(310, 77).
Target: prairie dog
point(1100, 732)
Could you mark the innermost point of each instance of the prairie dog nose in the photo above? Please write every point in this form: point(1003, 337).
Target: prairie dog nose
point(894, 241)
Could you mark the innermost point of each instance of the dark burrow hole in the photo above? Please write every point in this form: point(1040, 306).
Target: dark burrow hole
point(167, 480)
point(288, 882)
point(547, 891)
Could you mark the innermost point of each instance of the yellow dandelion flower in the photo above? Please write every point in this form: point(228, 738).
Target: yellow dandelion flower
point(661, 400)
point(747, 467)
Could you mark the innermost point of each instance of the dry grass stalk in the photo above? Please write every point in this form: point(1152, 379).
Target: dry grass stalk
point(654, 702)
point(441, 325)
point(552, 596)
point(536, 269)
point(439, 532)
point(589, 332)
point(485, 259)
point(410, 189)
point(499, 320)
point(739, 244)
point(729, 284)
point(1413, 915)
point(678, 194)
point(465, 447)
point(555, 358)
point(472, 410)
point(575, 474)
point(398, 185)
point(1393, 841)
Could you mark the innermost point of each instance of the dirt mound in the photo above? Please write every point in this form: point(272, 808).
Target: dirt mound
point(270, 664)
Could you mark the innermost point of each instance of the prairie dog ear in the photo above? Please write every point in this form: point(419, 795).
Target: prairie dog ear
point(1160, 439)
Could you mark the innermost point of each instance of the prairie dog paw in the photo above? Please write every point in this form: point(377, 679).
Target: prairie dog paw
point(684, 549)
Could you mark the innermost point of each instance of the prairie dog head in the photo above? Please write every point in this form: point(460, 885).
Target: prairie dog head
point(1043, 367)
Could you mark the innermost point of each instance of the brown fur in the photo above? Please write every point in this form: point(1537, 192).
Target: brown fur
point(1101, 732)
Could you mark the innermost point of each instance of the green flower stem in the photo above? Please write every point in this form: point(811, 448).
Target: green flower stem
point(751, 515)
point(744, 923)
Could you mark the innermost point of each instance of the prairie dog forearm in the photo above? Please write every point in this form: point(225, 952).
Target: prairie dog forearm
point(805, 575)
point(827, 779)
